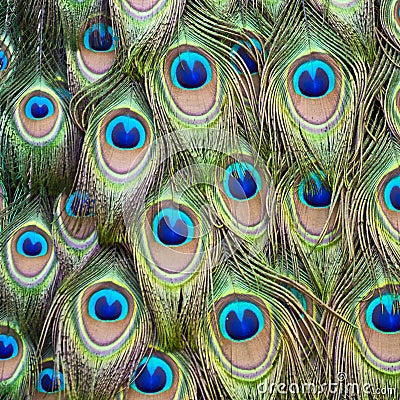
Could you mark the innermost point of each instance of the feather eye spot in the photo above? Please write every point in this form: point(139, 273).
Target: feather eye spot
point(392, 194)
point(125, 133)
point(39, 117)
point(172, 227)
point(108, 305)
point(39, 107)
point(97, 48)
point(153, 376)
point(299, 296)
point(242, 181)
point(317, 91)
point(383, 314)
point(32, 244)
point(3, 60)
point(191, 71)
point(245, 51)
point(241, 321)
point(8, 347)
point(99, 38)
point(314, 79)
point(315, 194)
point(12, 354)
point(79, 204)
point(50, 381)
point(379, 321)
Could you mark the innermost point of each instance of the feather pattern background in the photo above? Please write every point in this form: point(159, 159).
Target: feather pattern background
point(199, 199)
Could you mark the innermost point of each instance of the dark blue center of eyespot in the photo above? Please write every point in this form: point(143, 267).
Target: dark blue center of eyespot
point(31, 249)
point(6, 350)
point(100, 40)
point(3, 61)
point(123, 139)
point(242, 329)
point(39, 111)
point(387, 320)
point(320, 197)
point(172, 235)
point(191, 78)
point(245, 55)
point(107, 312)
point(151, 383)
point(316, 87)
point(79, 204)
point(395, 197)
point(242, 187)
point(49, 383)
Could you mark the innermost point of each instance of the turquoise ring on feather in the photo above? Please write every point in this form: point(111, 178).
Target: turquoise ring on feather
point(38, 117)
point(241, 324)
point(315, 86)
point(107, 313)
point(387, 196)
point(379, 333)
point(97, 45)
point(31, 253)
point(123, 144)
point(12, 354)
point(193, 84)
point(157, 376)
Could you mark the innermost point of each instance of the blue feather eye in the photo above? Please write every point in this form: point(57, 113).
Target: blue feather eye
point(379, 322)
point(32, 244)
point(392, 194)
point(314, 79)
point(244, 51)
point(383, 314)
point(190, 71)
point(79, 204)
point(108, 305)
point(99, 38)
point(50, 381)
point(315, 194)
point(125, 133)
point(240, 325)
point(242, 181)
point(240, 321)
point(8, 347)
point(153, 376)
point(3, 60)
point(172, 227)
point(39, 107)
point(299, 296)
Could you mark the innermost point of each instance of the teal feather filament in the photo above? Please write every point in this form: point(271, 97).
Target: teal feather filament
point(392, 194)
